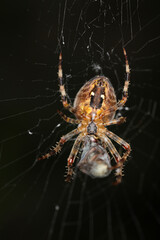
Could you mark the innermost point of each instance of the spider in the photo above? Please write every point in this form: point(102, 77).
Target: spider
point(94, 107)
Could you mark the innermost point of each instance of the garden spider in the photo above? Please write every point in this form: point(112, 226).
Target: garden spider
point(94, 107)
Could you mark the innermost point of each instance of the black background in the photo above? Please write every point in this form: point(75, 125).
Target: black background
point(36, 203)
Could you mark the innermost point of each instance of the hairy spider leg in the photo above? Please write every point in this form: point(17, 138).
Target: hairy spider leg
point(110, 147)
point(72, 157)
point(126, 84)
point(115, 121)
point(68, 119)
point(116, 156)
point(122, 143)
point(57, 148)
point(61, 86)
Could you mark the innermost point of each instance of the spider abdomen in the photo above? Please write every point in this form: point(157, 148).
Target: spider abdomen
point(98, 96)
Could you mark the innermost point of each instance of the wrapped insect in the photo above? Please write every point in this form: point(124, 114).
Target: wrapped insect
point(95, 161)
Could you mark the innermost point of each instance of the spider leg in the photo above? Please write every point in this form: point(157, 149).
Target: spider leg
point(116, 121)
point(61, 86)
point(68, 119)
point(110, 147)
point(122, 143)
point(72, 157)
point(115, 155)
point(126, 84)
point(57, 148)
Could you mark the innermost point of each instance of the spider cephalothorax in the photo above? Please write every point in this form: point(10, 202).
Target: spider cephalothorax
point(94, 107)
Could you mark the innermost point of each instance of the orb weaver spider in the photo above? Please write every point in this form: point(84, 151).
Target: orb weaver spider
point(94, 107)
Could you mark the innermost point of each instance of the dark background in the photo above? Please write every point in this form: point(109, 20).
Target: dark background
point(35, 202)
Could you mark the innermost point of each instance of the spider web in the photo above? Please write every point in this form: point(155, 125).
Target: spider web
point(36, 203)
